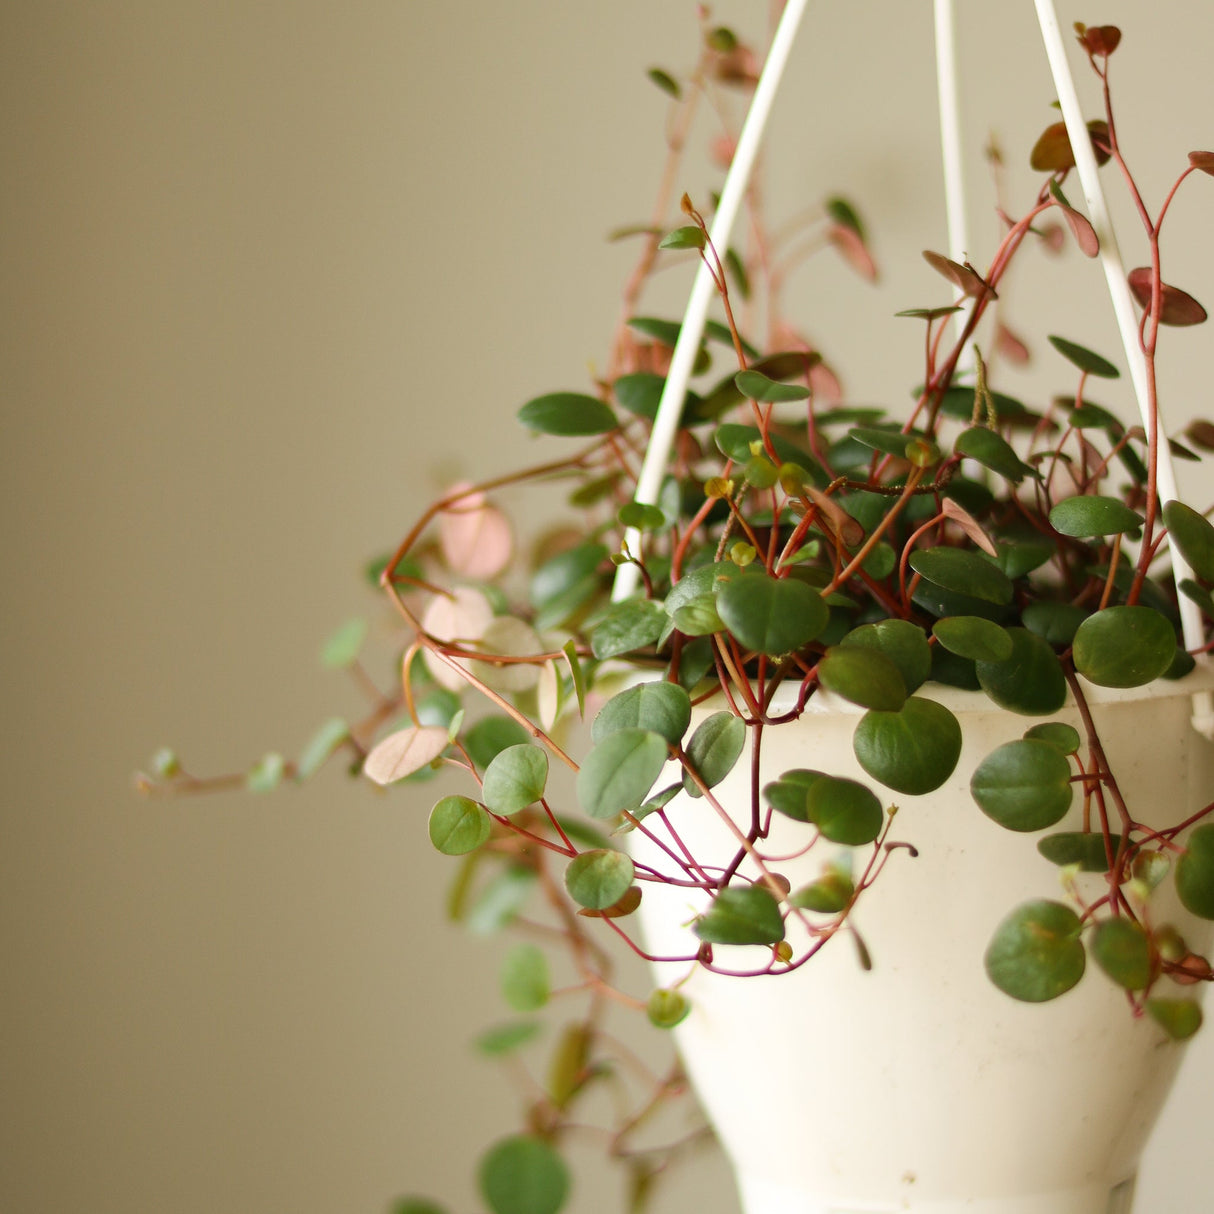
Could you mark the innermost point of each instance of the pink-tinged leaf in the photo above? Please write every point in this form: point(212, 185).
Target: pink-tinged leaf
point(1201, 434)
point(475, 537)
point(970, 525)
point(1052, 236)
point(1052, 152)
point(737, 66)
point(964, 277)
point(1010, 346)
point(402, 753)
point(1081, 229)
point(836, 518)
point(825, 384)
point(1098, 39)
point(1176, 307)
point(722, 150)
point(548, 695)
point(1102, 144)
point(852, 249)
point(634, 229)
point(463, 618)
point(1203, 161)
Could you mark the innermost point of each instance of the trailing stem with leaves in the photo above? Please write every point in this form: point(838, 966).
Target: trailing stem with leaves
point(799, 547)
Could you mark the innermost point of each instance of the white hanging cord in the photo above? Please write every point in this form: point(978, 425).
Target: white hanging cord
point(666, 423)
point(948, 97)
point(1123, 308)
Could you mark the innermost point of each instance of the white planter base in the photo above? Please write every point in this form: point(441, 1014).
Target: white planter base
point(918, 1086)
point(764, 1197)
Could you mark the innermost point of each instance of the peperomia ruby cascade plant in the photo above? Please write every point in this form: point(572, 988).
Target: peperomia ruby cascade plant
point(797, 542)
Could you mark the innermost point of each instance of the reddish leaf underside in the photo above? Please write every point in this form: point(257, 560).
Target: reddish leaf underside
point(1176, 307)
point(965, 278)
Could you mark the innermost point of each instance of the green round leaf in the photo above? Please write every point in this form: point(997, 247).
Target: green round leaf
point(619, 772)
point(687, 237)
point(1084, 359)
point(760, 472)
point(343, 647)
point(485, 740)
point(665, 81)
point(640, 393)
point(567, 1068)
point(888, 439)
point(992, 451)
point(970, 636)
point(754, 385)
point(1057, 733)
point(321, 747)
point(416, 1205)
point(698, 617)
point(627, 626)
point(1087, 516)
point(599, 879)
point(913, 750)
point(963, 571)
point(864, 676)
point(1121, 948)
point(880, 562)
point(937, 601)
point(1193, 534)
point(828, 895)
point(742, 915)
point(523, 1175)
point(1080, 847)
point(561, 577)
point(696, 583)
point(459, 825)
point(1055, 623)
point(735, 441)
point(1016, 560)
point(667, 1008)
point(1030, 681)
point(771, 615)
point(524, 978)
point(568, 414)
point(845, 811)
point(1199, 594)
point(1124, 646)
point(1036, 953)
point(1150, 867)
point(515, 779)
point(713, 749)
point(1179, 1018)
point(904, 643)
point(663, 708)
point(790, 793)
point(498, 903)
point(1023, 785)
point(506, 1038)
point(641, 516)
point(1195, 873)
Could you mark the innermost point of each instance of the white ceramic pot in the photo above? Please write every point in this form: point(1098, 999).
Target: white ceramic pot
point(918, 1086)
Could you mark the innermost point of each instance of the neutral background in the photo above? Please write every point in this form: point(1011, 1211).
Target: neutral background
point(271, 272)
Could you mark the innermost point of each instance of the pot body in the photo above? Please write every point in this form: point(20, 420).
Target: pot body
point(917, 1085)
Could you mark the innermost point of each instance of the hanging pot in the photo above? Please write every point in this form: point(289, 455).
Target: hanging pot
point(917, 1085)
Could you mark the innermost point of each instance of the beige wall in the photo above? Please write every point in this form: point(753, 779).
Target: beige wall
point(269, 270)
